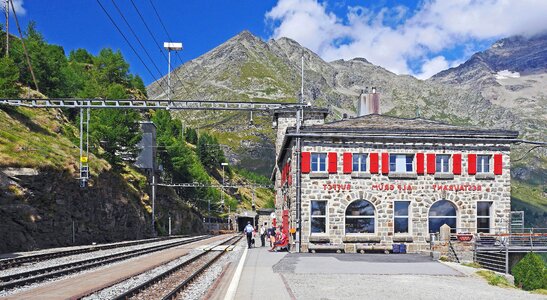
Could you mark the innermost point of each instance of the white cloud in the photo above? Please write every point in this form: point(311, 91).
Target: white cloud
point(432, 67)
point(395, 37)
point(17, 4)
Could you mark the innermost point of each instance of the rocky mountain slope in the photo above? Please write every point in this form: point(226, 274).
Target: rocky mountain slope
point(512, 74)
point(246, 68)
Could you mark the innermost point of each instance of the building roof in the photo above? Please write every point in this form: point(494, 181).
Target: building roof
point(380, 124)
point(377, 128)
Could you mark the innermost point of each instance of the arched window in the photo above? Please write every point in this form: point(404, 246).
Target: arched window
point(360, 217)
point(442, 212)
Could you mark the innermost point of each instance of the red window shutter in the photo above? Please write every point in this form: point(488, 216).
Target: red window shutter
point(431, 163)
point(471, 164)
point(498, 164)
point(385, 163)
point(305, 163)
point(333, 163)
point(374, 163)
point(457, 164)
point(420, 163)
point(347, 162)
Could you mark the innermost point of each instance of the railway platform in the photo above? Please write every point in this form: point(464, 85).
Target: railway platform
point(267, 275)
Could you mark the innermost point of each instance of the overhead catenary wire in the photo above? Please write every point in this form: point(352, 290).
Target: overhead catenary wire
point(127, 41)
point(157, 43)
point(136, 36)
point(165, 30)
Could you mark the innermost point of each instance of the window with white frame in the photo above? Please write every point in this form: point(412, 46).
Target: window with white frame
point(400, 222)
point(442, 212)
point(359, 162)
point(401, 163)
point(360, 216)
point(442, 163)
point(484, 216)
point(483, 163)
point(319, 162)
point(318, 216)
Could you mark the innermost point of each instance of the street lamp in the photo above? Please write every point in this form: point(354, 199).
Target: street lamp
point(170, 46)
point(222, 192)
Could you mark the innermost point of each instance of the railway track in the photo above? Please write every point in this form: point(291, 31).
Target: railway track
point(173, 281)
point(8, 263)
point(29, 277)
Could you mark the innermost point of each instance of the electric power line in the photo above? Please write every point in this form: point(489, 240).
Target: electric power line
point(163, 25)
point(127, 41)
point(24, 47)
point(136, 36)
point(157, 44)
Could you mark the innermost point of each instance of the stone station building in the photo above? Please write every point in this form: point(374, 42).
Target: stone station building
point(372, 181)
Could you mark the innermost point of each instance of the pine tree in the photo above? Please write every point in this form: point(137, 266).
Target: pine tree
point(9, 75)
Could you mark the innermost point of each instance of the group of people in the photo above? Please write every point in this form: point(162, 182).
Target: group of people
point(276, 238)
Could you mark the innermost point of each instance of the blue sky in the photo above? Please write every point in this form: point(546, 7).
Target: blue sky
point(419, 38)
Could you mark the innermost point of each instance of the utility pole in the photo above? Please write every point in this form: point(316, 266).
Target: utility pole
point(298, 152)
point(153, 202)
point(7, 27)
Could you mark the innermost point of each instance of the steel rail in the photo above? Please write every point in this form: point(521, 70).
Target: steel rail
point(150, 104)
point(174, 293)
point(24, 278)
point(8, 263)
point(158, 278)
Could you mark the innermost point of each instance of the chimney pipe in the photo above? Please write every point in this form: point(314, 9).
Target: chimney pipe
point(374, 102)
point(362, 104)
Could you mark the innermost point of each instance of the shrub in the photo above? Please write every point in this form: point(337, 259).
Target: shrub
point(530, 272)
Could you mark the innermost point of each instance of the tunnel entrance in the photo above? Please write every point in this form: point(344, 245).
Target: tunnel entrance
point(242, 222)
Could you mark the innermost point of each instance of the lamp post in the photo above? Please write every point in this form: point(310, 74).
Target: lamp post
point(222, 192)
point(175, 47)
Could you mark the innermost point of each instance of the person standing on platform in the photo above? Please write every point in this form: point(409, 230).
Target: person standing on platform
point(249, 232)
point(263, 235)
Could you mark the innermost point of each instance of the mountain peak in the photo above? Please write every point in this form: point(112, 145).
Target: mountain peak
point(245, 35)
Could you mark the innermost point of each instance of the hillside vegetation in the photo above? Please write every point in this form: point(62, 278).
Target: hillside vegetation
point(39, 156)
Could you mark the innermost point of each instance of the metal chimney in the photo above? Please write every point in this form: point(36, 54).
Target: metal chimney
point(362, 103)
point(374, 102)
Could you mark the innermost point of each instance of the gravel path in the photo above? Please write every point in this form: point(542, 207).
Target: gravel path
point(83, 256)
point(384, 277)
point(345, 286)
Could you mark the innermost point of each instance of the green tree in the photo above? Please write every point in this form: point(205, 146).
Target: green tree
point(111, 67)
point(135, 81)
point(190, 135)
point(47, 62)
point(530, 273)
point(9, 75)
point(117, 132)
point(80, 56)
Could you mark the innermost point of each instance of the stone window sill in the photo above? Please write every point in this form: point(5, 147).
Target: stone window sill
point(319, 238)
point(402, 175)
point(319, 175)
point(402, 238)
point(485, 176)
point(361, 238)
point(444, 176)
point(361, 175)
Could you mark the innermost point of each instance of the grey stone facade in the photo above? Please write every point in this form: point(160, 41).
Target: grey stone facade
point(339, 190)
